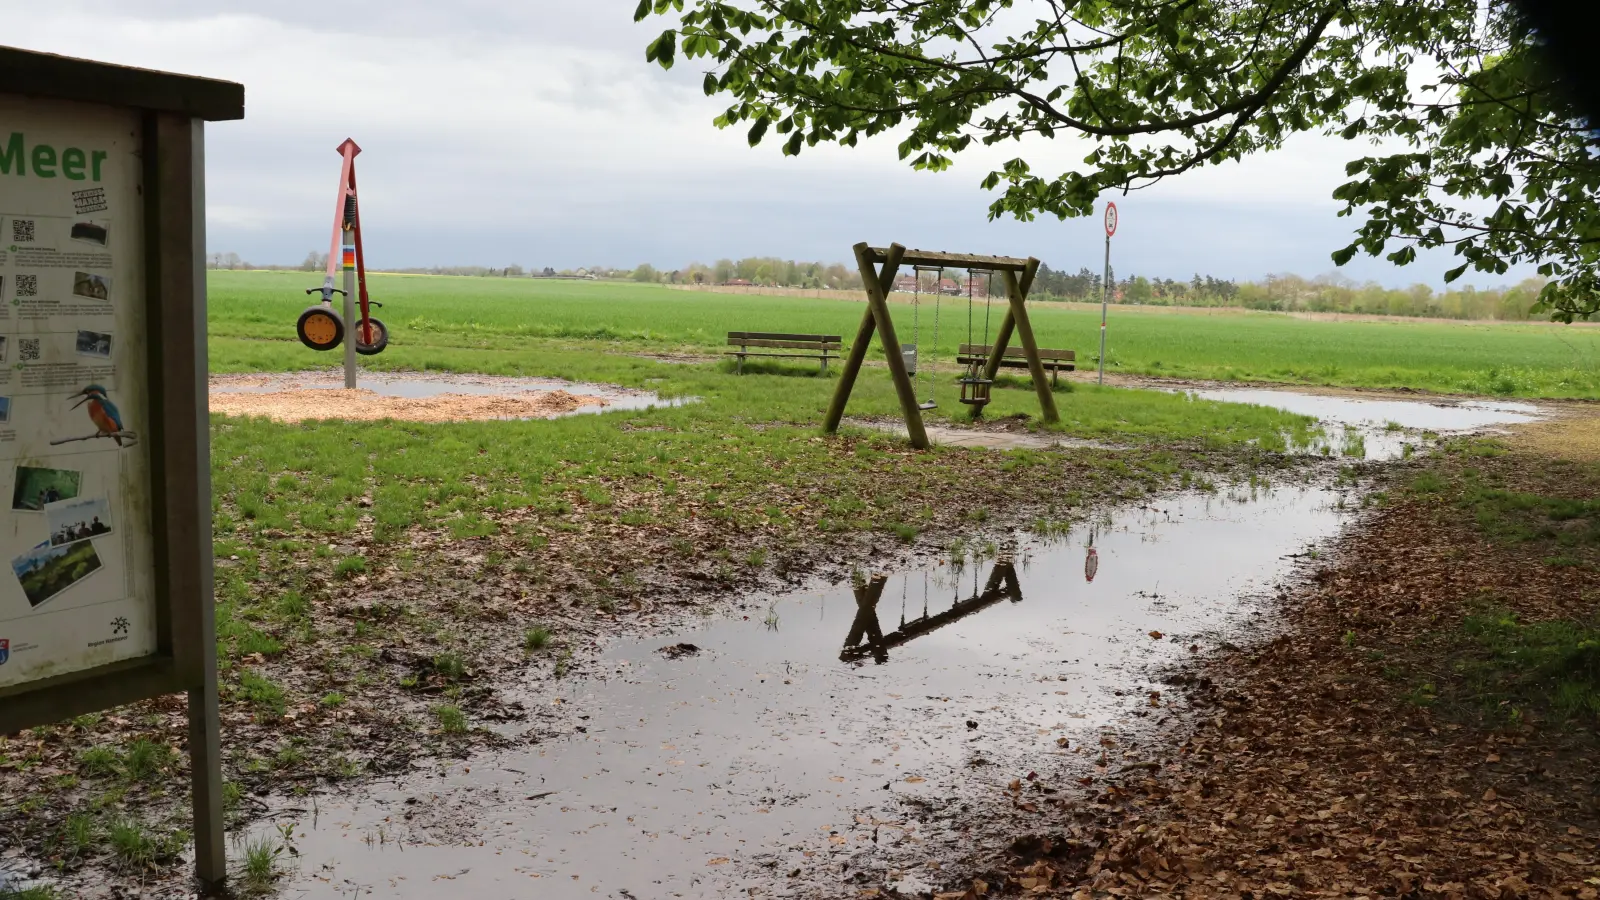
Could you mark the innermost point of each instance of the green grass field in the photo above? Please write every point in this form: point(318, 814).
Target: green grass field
point(433, 317)
point(747, 434)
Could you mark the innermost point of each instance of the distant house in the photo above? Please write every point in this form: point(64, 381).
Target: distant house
point(739, 282)
point(947, 286)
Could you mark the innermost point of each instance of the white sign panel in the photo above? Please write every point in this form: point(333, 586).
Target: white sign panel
point(77, 589)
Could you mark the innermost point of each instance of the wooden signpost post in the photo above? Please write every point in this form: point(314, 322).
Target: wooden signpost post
point(104, 443)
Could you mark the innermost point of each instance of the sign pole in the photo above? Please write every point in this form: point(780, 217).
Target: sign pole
point(1105, 295)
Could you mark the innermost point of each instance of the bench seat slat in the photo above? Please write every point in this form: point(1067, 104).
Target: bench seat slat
point(784, 355)
point(1009, 363)
point(794, 345)
point(1017, 352)
point(779, 336)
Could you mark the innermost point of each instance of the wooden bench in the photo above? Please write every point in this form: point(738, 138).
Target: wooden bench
point(798, 346)
point(1053, 360)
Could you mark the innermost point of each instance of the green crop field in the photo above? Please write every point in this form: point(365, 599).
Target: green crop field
point(430, 316)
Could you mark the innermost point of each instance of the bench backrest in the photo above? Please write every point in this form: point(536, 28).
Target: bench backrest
point(782, 340)
point(1018, 353)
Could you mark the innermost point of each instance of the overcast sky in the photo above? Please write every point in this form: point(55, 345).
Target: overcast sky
point(533, 132)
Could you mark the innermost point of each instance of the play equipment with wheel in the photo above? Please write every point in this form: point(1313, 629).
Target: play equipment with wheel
point(322, 328)
point(878, 267)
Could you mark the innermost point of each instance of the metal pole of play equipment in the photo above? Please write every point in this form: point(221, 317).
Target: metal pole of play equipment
point(349, 251)
point(1105, 296)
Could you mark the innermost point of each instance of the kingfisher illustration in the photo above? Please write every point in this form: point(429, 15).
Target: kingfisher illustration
point(102, 412)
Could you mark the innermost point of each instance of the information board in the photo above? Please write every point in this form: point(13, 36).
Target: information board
point(78, 591)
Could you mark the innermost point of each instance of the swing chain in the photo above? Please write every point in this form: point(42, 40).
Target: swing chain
point(938, 289)
point(988, 296)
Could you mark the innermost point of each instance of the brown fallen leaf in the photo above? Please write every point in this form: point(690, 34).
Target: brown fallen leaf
point(1156, 635)
point(718, 861)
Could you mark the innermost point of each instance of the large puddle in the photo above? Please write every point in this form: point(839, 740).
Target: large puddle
point(1381, 429)
point(789, 748)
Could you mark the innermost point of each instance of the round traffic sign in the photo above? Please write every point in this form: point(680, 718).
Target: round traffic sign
point(1111, 219)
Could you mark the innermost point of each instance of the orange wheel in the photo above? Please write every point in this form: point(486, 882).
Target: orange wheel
point(320, 329)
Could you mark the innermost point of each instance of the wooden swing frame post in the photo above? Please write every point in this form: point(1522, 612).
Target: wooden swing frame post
point(877, 319)
point(878, 267)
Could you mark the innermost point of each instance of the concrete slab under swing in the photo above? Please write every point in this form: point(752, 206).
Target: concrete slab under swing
point(990, 440)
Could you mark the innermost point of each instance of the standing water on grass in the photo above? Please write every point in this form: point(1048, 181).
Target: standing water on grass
point(762, 754)
point(1381, 429)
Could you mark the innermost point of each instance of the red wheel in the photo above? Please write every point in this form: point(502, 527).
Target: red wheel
point(380, 338)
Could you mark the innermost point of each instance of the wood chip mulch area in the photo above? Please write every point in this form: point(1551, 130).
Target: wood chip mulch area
point(1305, 770)
point(303, 404)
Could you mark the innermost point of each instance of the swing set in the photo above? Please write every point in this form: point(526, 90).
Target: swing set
point(878, 267)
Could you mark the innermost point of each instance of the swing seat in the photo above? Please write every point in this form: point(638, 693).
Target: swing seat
point(928, 405)
point(975, 390)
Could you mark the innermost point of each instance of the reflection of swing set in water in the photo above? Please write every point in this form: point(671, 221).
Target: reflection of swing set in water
point(866, 637)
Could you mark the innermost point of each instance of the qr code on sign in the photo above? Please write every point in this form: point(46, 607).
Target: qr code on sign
point(27, 285)
point(29, 348)
point(22, 231)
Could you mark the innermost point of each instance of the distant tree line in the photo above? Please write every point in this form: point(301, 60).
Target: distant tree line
point(1292, 293)
point(769, 271)
point(1280, 293)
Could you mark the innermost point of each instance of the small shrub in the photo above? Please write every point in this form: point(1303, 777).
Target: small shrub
point(146, 759)
point(78, 834)
point(99, 761)
point(136, 848)
point(293, 606)
point(290, 757)
point(350, 567)
point(450, 665)
point(260, 865)
point(262, 693)
point(36, 892)
point(450, 718)
point(535, 639)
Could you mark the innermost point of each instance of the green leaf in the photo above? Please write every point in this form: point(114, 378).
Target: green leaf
point(1455, 273)
point(663, 49)
point(758, 130)
point(643, 10)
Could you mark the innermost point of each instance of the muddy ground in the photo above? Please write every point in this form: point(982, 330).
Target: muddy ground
point(1371, 785)
point(402, 662)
